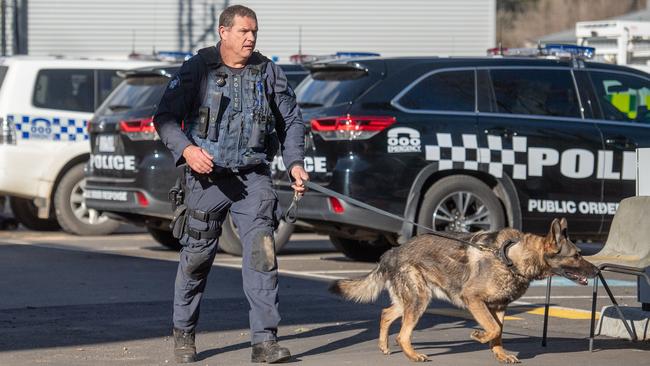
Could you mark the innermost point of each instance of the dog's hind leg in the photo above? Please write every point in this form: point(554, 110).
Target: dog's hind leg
point(496, 344)
point(480, 311)
point(412, 313)
point(388, 316)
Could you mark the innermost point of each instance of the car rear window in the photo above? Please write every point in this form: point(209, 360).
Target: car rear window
point(442, 91)
point(136, 93)
point(325, 88)
point(65, 89)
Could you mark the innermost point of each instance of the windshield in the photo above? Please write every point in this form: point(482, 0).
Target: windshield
point(140, 93)
point(325, 88)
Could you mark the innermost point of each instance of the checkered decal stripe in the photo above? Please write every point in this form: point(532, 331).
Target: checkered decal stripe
point(55, 129)
point(452, 152)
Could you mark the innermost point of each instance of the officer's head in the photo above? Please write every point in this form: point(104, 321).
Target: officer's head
point(238, 31)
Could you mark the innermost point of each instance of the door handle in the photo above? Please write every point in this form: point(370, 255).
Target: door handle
point(501, 131)
point(621, 143)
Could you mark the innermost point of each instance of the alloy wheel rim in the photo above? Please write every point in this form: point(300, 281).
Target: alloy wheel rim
point(461, 211)
point(84, 214)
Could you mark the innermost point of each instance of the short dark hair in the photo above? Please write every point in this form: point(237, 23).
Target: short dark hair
point(228, 14)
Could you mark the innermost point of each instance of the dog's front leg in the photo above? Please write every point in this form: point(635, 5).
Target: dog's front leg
point(496, 344)
point(482, 314)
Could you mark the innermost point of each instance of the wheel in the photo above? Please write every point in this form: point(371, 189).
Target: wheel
point(26, 213)
point(70, 207)
point(231, 244)
point(361, 250)
point(165, 238)
point(460, 203)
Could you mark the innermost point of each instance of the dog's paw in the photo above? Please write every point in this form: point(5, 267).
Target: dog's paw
point(418, 357)
point(383, 347)
point(507, 357)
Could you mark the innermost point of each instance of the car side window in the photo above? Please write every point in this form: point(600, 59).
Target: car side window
point(65, 89)
point(442, 91)
point(622, 97)
point(542, 92)
point(107, 80)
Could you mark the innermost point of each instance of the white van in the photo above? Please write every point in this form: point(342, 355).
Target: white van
point(45, 105)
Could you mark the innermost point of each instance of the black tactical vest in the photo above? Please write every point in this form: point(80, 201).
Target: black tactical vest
point(234, 122)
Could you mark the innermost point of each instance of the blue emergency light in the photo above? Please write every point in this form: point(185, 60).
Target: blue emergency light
point(564, 50)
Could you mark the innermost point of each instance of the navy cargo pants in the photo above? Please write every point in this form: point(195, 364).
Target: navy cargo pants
point(253, 207)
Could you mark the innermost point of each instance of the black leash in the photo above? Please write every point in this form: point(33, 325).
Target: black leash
point(504, 248)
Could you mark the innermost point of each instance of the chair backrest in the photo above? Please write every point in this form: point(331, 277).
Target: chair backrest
point(629, 235)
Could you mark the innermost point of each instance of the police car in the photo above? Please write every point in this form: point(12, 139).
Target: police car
point(130, 171)
point(45, 103)
point(468, 144)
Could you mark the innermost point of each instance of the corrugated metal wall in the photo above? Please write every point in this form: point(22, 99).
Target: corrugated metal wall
point(405, 27)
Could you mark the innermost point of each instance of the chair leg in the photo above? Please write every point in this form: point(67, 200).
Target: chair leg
point(593, 315)
point(546, 306)
point(620, 313)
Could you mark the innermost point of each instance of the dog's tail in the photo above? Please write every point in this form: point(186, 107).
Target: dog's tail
point(365, 289)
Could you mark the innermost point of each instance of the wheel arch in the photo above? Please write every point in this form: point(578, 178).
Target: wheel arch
point(79, 159)
point(503, 188)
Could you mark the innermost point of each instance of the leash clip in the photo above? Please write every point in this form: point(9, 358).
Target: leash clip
point(503, 251)
point(291, 215)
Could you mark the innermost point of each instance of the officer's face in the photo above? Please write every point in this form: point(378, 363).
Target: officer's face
point(239, 40)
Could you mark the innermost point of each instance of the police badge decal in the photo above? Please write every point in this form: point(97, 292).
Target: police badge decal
point(174, 83)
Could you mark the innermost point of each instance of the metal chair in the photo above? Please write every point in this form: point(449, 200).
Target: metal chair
point(626, 251)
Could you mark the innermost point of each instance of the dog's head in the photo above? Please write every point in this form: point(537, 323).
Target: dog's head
point(563, 256)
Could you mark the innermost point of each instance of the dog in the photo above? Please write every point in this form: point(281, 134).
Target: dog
point(476, 279)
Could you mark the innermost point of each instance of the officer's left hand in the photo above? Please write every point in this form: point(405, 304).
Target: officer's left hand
point(299, 175)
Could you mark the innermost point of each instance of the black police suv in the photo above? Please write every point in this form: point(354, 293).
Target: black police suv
point(468, 144)
point(130, 171)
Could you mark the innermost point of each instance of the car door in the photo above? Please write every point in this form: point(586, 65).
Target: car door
point(533, 133)
point(621, 102)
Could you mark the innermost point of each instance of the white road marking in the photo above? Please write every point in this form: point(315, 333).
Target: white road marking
point(576, 297)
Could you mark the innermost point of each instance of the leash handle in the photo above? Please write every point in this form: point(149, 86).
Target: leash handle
point(290, 216)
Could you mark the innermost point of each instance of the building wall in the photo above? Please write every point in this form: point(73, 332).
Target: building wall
point(392, 28)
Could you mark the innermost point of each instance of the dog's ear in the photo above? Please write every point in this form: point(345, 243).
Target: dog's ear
point(556, 235)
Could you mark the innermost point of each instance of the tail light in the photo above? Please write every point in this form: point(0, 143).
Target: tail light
point(336, 205)
point(139, 129)
point(350, 127)
point(142, 199)
point(7, 131)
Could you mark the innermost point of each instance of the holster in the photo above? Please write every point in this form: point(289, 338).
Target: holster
point(179, 221)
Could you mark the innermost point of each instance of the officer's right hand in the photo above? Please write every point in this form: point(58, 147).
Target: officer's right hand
point(198, 159)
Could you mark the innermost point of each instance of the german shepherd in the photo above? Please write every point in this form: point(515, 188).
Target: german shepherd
point(431, 266)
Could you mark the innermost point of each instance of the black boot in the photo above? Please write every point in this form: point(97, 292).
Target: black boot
point(184, 347)
point(269, 352)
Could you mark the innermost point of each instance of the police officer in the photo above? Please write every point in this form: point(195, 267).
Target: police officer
point(235, 108)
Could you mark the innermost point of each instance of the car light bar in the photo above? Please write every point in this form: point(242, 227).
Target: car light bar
point(350, 127)
point(139, 129)
point(563, 51)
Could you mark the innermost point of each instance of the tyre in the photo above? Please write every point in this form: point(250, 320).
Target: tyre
point(70, 207)
point(165, 238)
point(231, 244)
point(361, 250)
point(26, 213)
point(460, 203)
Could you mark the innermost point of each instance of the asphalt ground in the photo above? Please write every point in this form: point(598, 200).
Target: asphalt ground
point(67, 300)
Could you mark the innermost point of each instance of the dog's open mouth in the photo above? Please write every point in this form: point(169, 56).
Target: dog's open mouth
point(579, 279)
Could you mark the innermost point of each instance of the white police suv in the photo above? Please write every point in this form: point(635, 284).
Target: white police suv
point(45, 104)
